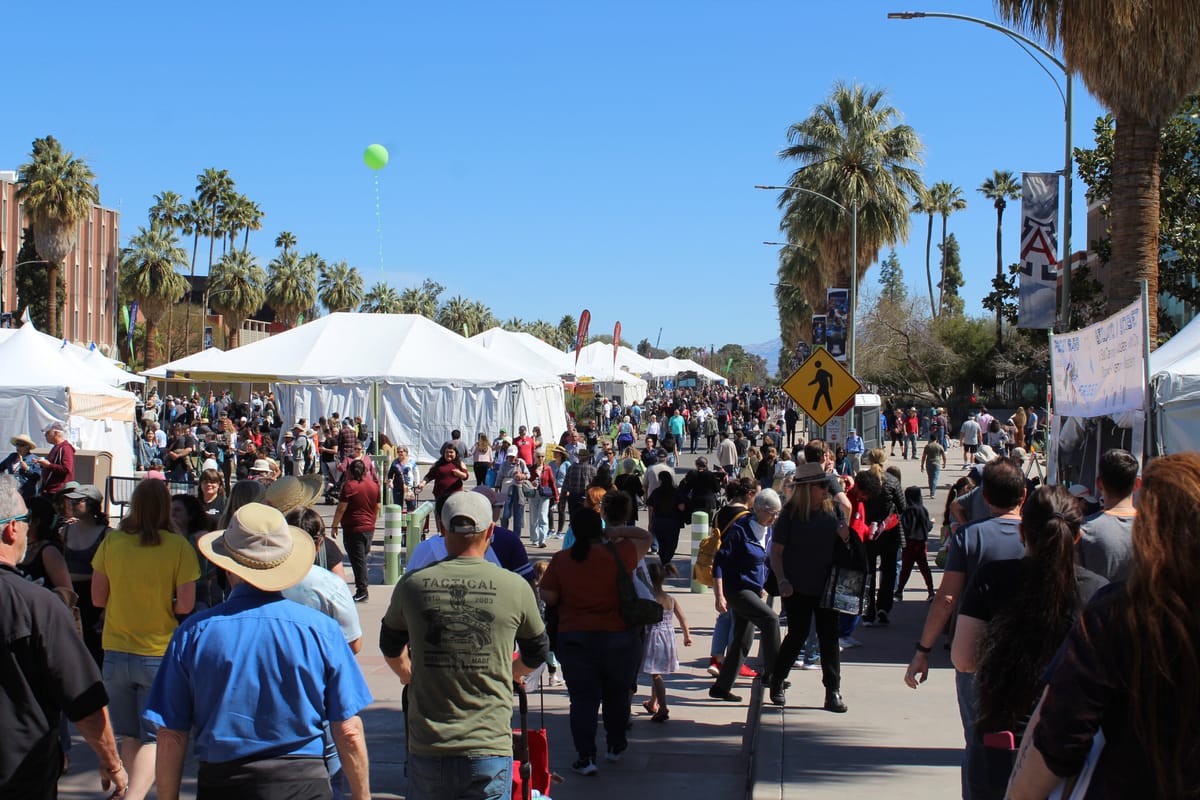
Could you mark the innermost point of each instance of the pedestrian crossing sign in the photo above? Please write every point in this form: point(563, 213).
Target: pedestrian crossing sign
point(821, 386)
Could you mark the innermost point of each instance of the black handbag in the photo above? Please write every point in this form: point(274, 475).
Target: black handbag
point(846, 586)
point(635, 611)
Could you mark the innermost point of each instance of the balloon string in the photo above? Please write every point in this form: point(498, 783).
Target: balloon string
point(379, 223)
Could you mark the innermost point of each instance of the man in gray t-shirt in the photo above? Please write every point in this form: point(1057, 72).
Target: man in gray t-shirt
point(1106, 545)
point(1106, 542)
point(969, 435)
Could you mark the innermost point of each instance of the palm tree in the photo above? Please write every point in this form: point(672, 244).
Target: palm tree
point(514, 324)
point(237, 291)
point(482, 318)
point(382, 299)
point(1000, 188)
point(194, 223)
point(340, 287)
point(795, 316)
point(456, 315)
point(213, 186)
point(57, 191)
point(852, 149)
point(242, 213)
point(285, 241)
point(291, 287)
point(924, 205)
point(1157, 41)
point(567, 327)
point(542, 330)
point(148, 275)
point(946, 198)
point(170, 212)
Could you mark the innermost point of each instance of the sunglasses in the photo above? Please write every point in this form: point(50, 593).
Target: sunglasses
point(22, 518)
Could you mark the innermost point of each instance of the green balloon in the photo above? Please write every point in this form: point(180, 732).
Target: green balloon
point(376, 156)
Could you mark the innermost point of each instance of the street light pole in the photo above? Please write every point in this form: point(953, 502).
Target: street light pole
point(1064, 308)
point(853, 212)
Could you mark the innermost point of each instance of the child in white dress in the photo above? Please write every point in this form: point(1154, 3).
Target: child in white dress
point(660, 658)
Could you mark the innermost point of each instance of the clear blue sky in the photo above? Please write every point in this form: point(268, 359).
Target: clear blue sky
point(545, 156)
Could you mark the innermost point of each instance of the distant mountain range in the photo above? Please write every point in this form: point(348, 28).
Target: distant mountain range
point(768, 350)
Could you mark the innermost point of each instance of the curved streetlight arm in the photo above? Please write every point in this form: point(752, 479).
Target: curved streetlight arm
point(1024, 42)
point(1009, 32)
point(805, 191)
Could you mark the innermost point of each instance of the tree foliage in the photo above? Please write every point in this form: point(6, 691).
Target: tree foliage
point(30, 282)
point(952, 278)
point(1179, 196)
point(891, 279)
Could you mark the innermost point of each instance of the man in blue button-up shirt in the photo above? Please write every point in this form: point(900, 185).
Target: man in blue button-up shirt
point(256, 676)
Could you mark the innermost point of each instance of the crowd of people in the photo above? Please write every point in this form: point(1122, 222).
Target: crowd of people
point(1039, 598)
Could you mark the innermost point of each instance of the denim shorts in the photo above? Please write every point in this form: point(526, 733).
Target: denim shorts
point(459, 777)
point(128, 678)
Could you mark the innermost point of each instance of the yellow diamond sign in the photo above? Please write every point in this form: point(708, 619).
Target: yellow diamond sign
point(821, 387)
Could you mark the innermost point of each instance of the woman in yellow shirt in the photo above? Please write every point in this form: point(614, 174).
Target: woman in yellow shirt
point(143, 575)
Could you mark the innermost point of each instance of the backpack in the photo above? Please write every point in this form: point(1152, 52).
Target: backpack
point(702, 570)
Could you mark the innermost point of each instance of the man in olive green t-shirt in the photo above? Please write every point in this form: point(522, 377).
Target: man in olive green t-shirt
point(448, 633)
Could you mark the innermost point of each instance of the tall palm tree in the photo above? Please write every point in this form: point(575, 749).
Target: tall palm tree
point(291, 287)
point(242, 213)
point(170, 212)
point(567, 327)
point(853, 149)
point(340, 287)
point(237, 291)
point(1157, 41)
point(924, 205)
point(285, 241)
point(194, 223)
point(542, 330)
point(947, 198)
point(514, 324)
point(1000, 188)
point(213, 186)
point(381, 299)
point(57, 191)
point(148, 275)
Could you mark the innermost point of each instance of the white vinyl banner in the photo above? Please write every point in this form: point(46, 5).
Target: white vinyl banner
point(1039, 248)
point(1100, 370)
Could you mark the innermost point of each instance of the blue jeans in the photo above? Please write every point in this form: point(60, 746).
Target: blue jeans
point(127, 679)
point(722, 628)
point(599, 668)
point(459, 777)
point(910, 445)
point(935, 472)
point(967, 689)
point(539, 519)
point(514, 506)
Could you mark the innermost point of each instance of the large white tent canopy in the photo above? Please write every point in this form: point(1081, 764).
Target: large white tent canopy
point(418, 380)
point(596, 361)
point(40, 384)
point(204, 360)
point(525, 348)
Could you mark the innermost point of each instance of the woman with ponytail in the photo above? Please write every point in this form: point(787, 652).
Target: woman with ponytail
point(1128, 668)
point(1015, 614)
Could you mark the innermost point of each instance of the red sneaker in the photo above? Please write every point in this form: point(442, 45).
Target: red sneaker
point(714, 666)
point(745, 672)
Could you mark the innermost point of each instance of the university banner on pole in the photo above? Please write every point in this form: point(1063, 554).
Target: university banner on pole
point(1039, 247)
point(1101, 369)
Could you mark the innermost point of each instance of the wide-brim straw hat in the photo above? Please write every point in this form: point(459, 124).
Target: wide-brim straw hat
point(291, 492)
point(260, 548)
point(23, 438)
point(261, 465)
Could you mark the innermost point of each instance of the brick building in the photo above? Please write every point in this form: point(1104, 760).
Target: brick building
point(90, 312)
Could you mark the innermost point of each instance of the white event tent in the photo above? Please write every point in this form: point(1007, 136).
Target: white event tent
point(418, 379)
point(525, 348)
point(40, 384)
point(622, 379)
point(1175, 388)
point(205, 359)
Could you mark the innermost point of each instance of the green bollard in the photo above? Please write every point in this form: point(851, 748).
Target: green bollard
point(699, 531)
point(393, 538)
point(412, 526)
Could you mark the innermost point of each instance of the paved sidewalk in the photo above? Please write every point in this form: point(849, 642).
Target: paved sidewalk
point(893, 740)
